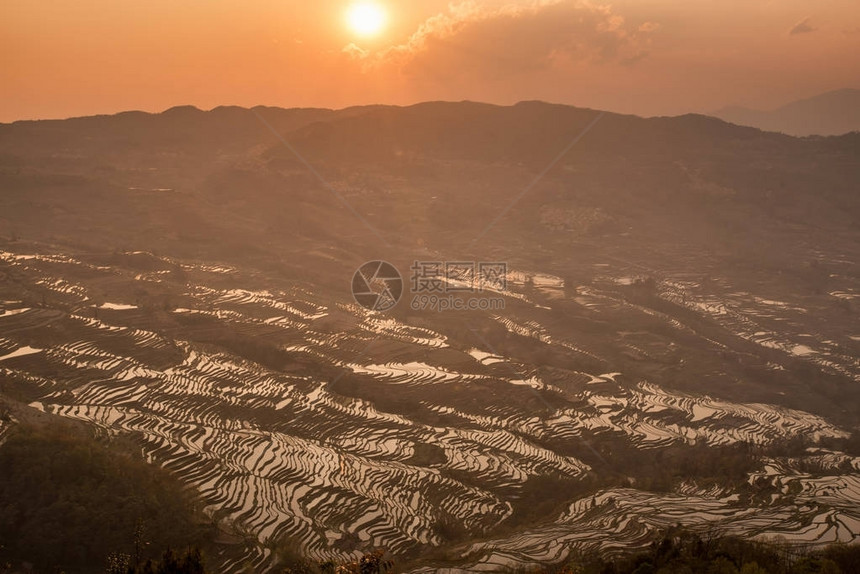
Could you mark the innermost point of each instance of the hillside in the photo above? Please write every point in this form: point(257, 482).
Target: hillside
point(68, 501)
point(674, 340)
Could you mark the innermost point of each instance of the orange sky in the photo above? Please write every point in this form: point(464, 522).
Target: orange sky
point(61, 58)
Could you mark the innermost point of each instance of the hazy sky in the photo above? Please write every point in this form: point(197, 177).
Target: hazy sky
point(61, 58)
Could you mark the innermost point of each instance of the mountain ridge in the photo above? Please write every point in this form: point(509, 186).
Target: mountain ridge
point(829, 114)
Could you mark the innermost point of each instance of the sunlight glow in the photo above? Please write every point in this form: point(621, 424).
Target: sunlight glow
point(366, 18)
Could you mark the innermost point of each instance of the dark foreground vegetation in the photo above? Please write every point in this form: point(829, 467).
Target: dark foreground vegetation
point(676, 552)
point(681, 552)
point(68, 502)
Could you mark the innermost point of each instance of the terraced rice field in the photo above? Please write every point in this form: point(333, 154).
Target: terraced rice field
point(353, 430)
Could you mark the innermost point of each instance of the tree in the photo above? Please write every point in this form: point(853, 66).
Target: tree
point(816, 565)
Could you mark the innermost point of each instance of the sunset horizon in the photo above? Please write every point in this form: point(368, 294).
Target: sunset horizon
point(647, 58)
point(156, 111)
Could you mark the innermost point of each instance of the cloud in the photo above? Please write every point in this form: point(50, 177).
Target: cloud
point(802, 27)
point(355, 51)
point(473, 38)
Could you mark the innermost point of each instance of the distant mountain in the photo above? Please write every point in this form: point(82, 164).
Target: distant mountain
point(832, 113)
point(176, 181)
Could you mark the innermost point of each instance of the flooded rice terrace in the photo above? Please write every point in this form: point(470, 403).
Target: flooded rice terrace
point(350, 429)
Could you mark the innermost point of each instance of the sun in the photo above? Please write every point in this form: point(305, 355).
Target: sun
point(366, 18)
